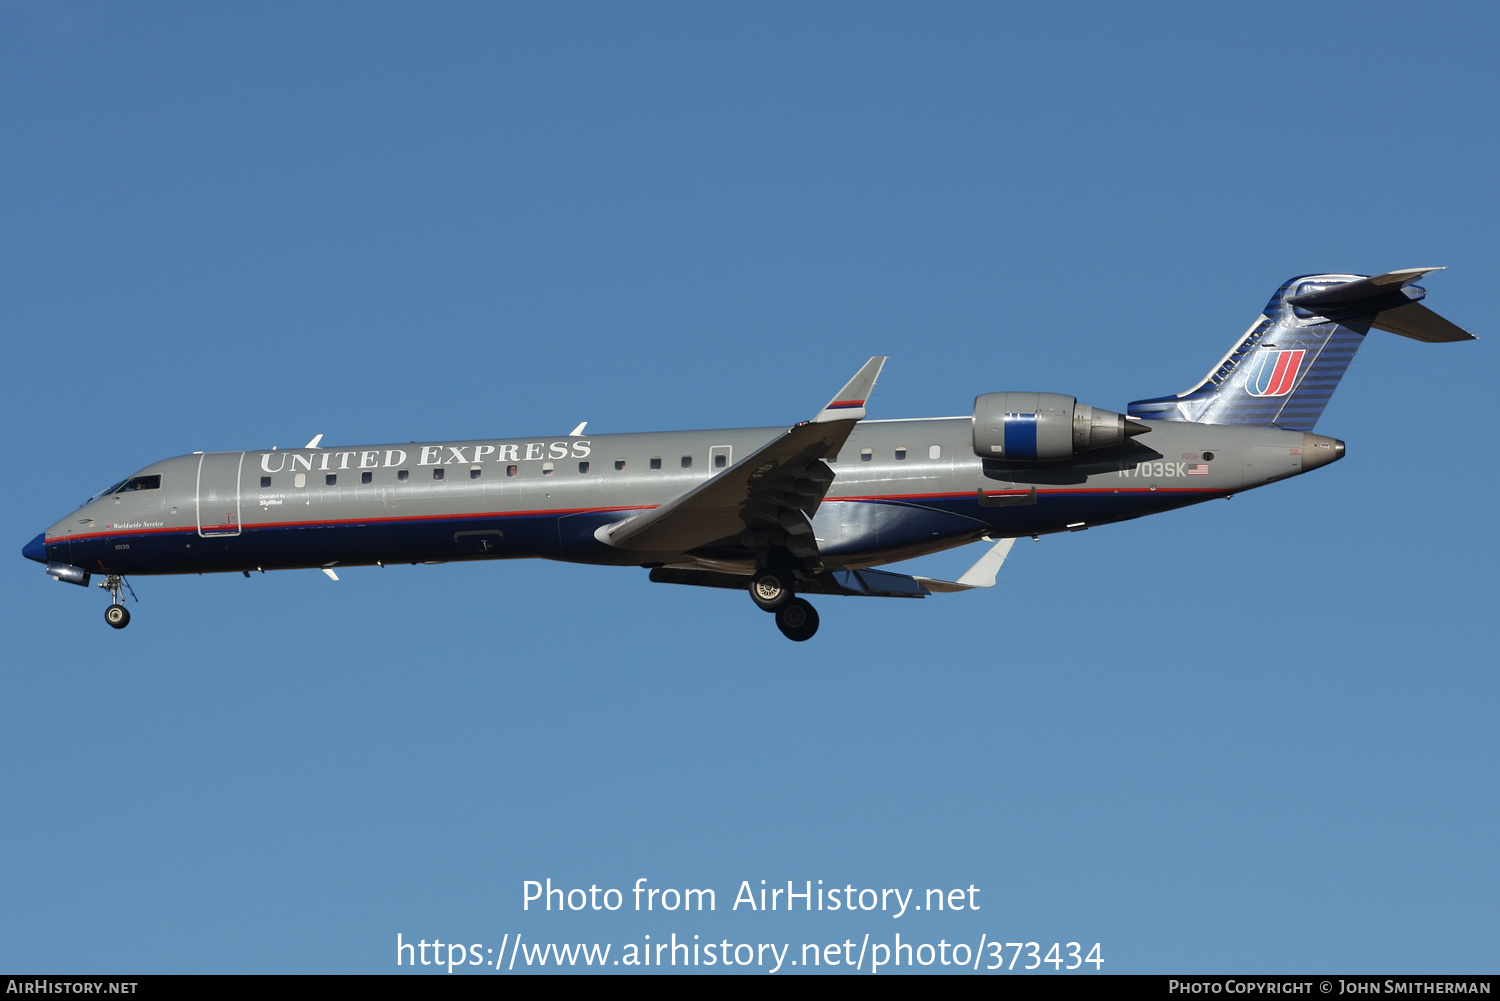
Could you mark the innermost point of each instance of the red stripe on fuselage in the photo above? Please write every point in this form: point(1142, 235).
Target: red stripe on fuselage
point(394, 519)
point(479, 515)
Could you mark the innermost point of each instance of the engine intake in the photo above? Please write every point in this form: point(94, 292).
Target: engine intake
point(1045, 427)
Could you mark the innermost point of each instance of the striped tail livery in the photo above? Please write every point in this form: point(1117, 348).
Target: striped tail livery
point(1285, 368)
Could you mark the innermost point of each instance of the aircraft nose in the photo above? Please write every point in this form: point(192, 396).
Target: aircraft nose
point(36, 549)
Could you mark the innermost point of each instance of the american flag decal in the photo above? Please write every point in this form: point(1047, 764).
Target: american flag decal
point(1201, 469)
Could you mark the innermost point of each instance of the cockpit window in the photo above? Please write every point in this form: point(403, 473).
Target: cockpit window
point(105, 492)
point(152, 482)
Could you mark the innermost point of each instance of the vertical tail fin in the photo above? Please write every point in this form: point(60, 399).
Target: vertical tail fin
point(1285, 368)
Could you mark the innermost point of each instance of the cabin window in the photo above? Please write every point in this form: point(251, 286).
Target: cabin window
point(547, 468)
point(583, 467)
point(366, 477)
point(474, 472)
point(299, 480)
point(721, 460)
point(900, 452)
point(141, 483)
point(687, 462)
point(265, 481)
point(934, 451)
point(403, 475)
point(437, 474)
point(656, 462)
point(866, 454)
point(331, 479)
point(619, 465)
point(511, 470)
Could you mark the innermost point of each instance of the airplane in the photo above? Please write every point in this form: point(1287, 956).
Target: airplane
point(776, 512)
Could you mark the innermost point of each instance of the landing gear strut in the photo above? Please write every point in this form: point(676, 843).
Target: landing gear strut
point(797, 620)
point(117, 615)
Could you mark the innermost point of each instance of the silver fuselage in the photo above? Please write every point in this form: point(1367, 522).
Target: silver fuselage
point(903, 488)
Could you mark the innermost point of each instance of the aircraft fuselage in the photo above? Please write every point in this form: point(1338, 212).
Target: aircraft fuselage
point(902, 488)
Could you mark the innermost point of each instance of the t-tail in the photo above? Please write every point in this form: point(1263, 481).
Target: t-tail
point(1286, 367)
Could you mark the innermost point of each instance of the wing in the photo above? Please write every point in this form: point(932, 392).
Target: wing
point(869, 582)
point(763, 502)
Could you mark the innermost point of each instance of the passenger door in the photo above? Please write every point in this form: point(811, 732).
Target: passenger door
point(218, 500)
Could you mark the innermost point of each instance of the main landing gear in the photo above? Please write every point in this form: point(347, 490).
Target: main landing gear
point(770, 589)
point(117, 615)
point(797, 620)
point(773, 591)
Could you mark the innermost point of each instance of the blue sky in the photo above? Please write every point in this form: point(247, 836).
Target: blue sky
point(1253, 736)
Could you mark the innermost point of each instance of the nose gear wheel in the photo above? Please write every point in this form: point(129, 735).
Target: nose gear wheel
point(117, 615)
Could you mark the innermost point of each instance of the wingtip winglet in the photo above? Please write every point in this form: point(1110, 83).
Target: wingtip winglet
point(985, 570)
point(849, 403)
point(981, 574)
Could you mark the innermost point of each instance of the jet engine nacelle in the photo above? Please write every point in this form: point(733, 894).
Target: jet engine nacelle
point(1044, 427)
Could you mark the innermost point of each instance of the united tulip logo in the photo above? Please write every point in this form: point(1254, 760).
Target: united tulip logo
point(1274, 373)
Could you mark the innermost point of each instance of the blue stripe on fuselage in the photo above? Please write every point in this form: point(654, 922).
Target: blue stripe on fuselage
point(570, 536)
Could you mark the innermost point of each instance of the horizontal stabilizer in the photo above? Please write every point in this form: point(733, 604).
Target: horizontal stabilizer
point(1364, 295)
point(1394, 301)
point(1420, 324)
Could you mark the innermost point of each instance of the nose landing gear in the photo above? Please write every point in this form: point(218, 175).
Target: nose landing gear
point(117, 615)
